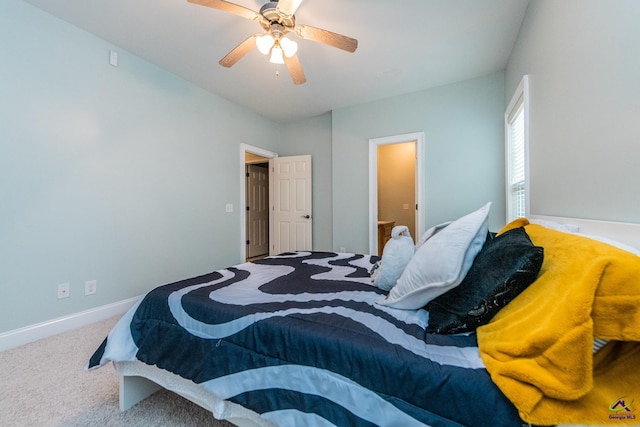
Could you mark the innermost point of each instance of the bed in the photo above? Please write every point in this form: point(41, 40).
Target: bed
point(306, 338)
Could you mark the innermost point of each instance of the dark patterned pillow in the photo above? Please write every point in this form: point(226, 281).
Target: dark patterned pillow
point(506, 266)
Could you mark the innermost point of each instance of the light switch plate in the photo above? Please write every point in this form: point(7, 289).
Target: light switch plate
point(113, 58)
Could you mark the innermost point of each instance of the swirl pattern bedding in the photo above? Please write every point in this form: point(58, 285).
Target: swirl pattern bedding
point(300, 339)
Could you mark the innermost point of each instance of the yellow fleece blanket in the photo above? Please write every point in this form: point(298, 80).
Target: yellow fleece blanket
point(539, 348)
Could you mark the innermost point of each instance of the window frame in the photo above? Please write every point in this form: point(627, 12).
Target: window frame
point(519, 100)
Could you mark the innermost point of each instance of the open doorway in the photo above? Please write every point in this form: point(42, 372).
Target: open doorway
point(289, 194)
point(254, 197)
point(395, 187)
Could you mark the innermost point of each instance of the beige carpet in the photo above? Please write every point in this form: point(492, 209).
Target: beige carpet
point(44, 384)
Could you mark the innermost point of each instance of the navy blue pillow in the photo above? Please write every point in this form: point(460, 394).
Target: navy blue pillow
point(506, 266)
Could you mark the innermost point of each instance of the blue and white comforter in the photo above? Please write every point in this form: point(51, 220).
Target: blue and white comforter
point(300, 339)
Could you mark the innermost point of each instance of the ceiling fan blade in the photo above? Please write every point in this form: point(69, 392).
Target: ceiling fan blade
point(288, 7)
point(225, 6)
point(327, 37)
point(295, 69)
point(239, 51)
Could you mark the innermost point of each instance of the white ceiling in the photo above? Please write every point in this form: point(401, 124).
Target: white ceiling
point(403, 46)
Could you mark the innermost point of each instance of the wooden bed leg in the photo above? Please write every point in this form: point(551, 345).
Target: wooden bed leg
point(134, 390)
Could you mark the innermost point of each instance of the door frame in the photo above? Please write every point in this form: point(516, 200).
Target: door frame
point(373, 183)
point(246, 148)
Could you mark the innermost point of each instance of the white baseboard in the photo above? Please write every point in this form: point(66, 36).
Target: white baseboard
point(21, 336)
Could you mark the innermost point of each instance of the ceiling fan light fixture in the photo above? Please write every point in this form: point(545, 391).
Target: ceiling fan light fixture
point(276, 55)
point(289, 47)
point(265, 43)
point(277, 18)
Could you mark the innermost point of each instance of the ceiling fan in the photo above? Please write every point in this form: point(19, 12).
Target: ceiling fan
point(277, 19)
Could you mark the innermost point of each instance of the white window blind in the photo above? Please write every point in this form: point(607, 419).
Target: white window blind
point(516, 153)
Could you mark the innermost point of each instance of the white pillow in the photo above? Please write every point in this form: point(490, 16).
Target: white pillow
point(396, 255)
point(430, 233)
point(441, 262)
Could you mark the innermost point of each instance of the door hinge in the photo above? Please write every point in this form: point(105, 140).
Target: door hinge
point(247, 207)
point(247, 174)
point(248, 242)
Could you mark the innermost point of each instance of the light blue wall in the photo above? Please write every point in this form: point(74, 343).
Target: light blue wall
point(584, 65)
point(464, 160)
point(115, 174)
point(122, 174)
point(313, 136)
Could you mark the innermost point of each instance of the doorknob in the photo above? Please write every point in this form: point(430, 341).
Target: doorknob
point(306, 216)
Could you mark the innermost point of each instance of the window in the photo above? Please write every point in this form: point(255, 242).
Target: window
point(517, 144)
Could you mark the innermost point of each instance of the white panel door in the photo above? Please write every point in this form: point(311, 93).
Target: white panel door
point(257, 216)
point(291, 204)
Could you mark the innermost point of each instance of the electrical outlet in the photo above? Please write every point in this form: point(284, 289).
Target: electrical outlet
point(64, 290)
point(90, 287)
point(343, 250)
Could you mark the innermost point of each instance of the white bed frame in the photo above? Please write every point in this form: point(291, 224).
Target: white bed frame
point(139, 380)
point(623, 232)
